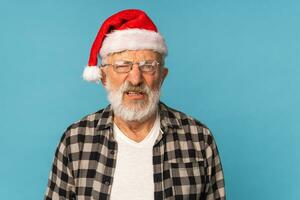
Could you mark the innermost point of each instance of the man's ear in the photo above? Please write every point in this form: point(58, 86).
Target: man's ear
point(164, 74)
point(103, 76)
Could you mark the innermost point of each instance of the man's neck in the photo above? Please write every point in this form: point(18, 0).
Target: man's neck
point(135, 130)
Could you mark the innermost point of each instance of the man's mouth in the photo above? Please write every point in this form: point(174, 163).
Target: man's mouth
point(135, 94)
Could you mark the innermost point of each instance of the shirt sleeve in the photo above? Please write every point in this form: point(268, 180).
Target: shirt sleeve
point(216, 185)
point(61, 181)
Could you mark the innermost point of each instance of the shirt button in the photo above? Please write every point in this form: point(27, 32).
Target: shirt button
point(107, 183)
point(112, 152)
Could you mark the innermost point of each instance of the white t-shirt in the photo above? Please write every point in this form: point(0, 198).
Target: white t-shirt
point(133, 176)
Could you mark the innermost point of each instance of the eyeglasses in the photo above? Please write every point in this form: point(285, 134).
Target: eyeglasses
point(147, 66)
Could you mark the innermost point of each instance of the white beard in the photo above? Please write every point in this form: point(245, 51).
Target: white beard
point(140, 110)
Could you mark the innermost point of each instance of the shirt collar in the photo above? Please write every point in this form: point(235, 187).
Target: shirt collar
point(105, 118)
point(168, 119)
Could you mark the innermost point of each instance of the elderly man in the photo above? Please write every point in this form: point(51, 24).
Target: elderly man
point(137, 148)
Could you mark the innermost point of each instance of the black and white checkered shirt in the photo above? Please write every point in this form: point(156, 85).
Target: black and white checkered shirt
point(186, 162)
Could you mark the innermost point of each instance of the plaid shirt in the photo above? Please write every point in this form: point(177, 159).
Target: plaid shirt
point(186, 162)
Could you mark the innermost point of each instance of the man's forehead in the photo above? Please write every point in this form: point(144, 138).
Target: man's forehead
point(135, 55)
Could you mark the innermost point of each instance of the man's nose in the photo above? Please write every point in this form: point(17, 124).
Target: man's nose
point(135, 75)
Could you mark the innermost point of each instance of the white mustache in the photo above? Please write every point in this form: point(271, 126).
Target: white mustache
point(128, 87)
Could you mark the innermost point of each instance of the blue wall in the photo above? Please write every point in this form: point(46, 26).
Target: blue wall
point(234, 65)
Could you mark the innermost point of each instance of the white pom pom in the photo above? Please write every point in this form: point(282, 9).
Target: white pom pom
point(92, 74)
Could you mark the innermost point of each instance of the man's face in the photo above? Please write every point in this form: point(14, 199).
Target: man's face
point(134, 91)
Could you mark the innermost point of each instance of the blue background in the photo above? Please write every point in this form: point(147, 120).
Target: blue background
point(233, 64)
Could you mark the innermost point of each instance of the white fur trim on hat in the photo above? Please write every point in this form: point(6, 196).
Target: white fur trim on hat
point(92, 74)
point(133, 39)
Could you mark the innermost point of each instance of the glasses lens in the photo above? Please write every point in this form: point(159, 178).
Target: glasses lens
point(147, 68)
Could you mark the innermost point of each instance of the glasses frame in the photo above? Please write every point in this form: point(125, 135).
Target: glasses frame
point(155, 64)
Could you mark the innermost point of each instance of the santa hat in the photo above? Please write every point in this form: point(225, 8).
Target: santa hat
point(125, 30)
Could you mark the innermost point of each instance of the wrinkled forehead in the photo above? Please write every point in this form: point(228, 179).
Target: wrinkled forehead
point(133, 55)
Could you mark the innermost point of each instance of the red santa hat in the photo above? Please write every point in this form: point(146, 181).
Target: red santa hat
point(125, 30)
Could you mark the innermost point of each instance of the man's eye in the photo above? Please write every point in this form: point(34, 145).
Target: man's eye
point(147, 67)
point(122, 66)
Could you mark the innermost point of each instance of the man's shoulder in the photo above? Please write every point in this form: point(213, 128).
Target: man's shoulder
point(88, 121)
point(187, 128)
point(180, 119)
point(87, 125)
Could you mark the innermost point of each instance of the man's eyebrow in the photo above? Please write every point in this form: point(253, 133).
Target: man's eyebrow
point(122, 61)
point(147, 60)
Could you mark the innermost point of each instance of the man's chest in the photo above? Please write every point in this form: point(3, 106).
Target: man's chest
point(133, 175)
point(177, 170)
